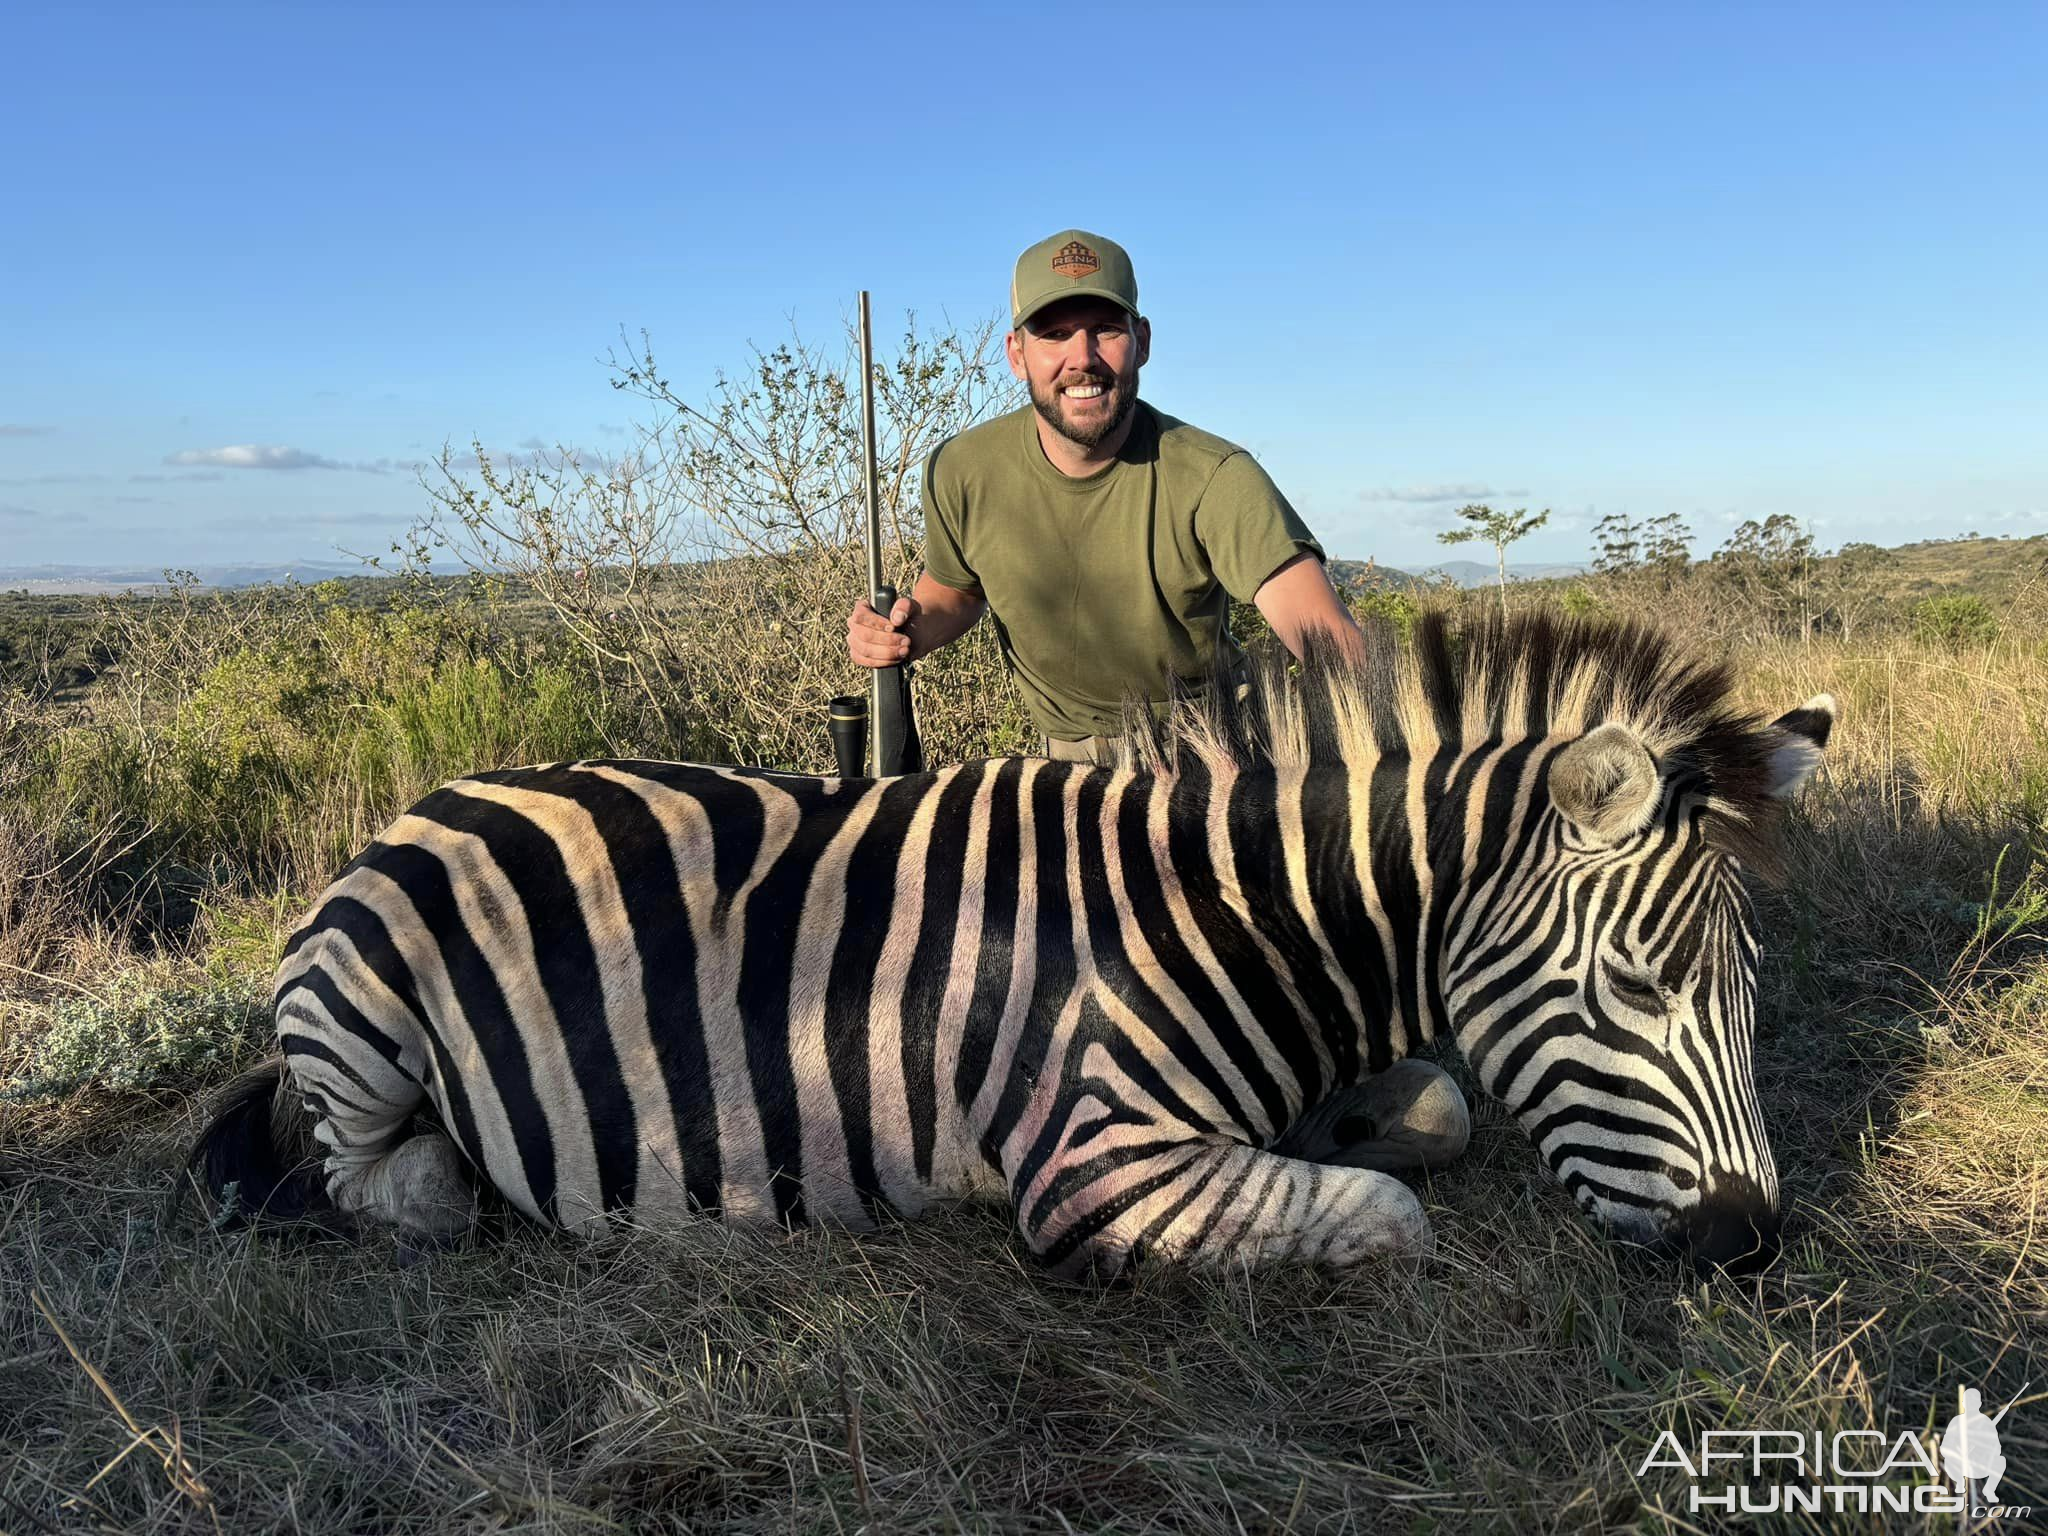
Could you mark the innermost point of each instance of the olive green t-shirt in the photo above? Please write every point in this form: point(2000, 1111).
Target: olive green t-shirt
point(1110, 585)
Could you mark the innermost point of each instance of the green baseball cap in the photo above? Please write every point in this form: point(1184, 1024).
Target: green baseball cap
point(1069, 263)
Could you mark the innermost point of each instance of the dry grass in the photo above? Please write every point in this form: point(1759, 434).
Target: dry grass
point(929, 1378)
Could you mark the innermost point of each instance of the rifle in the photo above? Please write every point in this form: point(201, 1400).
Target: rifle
point(896, 747)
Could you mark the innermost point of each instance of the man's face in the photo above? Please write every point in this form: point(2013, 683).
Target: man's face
point(1080, 360)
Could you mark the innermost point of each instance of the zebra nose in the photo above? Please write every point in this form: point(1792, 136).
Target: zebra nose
point(1733, 1228)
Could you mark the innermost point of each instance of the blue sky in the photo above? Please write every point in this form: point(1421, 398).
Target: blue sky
point(1722, 260)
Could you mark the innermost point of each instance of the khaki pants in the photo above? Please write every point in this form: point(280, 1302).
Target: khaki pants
point(1102, 749)
point(1089, 749)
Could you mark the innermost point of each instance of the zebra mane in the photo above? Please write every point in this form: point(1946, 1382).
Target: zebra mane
point(1537, 675)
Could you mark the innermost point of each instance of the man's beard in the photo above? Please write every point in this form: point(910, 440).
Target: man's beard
point(1050, 408)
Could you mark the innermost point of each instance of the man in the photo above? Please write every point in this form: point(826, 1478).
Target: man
point(1106, 537)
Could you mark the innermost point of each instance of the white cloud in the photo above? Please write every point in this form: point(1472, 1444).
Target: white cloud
point(252, 456)
point(270, 456)
point(14, 511)
point(1428, 493)
point(20, 429)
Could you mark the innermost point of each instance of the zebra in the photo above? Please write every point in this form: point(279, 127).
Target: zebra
point(1166, 1006)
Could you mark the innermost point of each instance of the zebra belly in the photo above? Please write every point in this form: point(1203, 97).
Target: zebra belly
point(607, 1023)
point(368, 1069)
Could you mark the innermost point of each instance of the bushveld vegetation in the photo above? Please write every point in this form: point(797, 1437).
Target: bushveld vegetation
point(179, 774)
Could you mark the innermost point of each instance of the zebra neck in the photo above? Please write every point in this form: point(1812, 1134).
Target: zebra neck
point(1401, 820)
point(1322, 878)
point(1489, 814)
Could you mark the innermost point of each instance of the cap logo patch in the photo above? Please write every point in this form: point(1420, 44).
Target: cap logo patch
point(1075, 260)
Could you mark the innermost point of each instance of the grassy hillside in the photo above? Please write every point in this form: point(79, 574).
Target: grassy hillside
point(1991, 568)
point(161, 828)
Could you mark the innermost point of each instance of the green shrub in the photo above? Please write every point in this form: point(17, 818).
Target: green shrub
point(1248, 626)
point(466, 716)
point(1582, 604)
point(277, 751)
point(1398, 608)
point(1955, 619)
point(135, 1035)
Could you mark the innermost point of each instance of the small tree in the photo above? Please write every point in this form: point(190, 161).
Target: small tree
point(1768, 568)
point(1667, 547)
point(1619, 540)
point(1500, 529)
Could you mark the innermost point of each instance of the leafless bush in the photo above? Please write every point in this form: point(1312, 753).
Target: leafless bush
point(706, 574)
point(165, 639)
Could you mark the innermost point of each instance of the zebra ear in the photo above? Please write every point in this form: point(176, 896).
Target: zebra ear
point(1802, 733)
point(1606, 783)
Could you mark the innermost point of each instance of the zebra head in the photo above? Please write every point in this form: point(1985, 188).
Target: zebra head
point(1607, 990)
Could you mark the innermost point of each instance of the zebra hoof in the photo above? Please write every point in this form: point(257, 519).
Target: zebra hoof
point(1409, 1116)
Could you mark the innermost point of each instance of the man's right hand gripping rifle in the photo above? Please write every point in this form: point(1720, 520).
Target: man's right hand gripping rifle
point(932, 616)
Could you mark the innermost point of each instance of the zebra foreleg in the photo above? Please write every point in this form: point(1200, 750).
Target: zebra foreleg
point(1216, 1202)
point(364, 1102)
point(1409, 1116)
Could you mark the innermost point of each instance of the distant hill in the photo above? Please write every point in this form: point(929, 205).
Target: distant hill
point(1462, 573)
point(1992, 568)
point(53, 580)
point(1989, 567)
point(1347, 572)
point(1479, 573)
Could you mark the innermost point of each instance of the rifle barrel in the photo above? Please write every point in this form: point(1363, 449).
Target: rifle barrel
point(867, 450)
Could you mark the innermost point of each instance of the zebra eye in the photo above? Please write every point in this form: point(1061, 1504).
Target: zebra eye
point(1636, 991)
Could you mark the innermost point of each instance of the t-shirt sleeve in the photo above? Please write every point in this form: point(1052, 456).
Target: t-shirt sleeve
point(943, 560)
point(1247, 526)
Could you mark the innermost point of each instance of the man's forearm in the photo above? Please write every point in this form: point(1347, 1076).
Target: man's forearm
point(944, 615)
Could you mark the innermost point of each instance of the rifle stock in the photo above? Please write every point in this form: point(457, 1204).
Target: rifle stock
point(897, 749)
